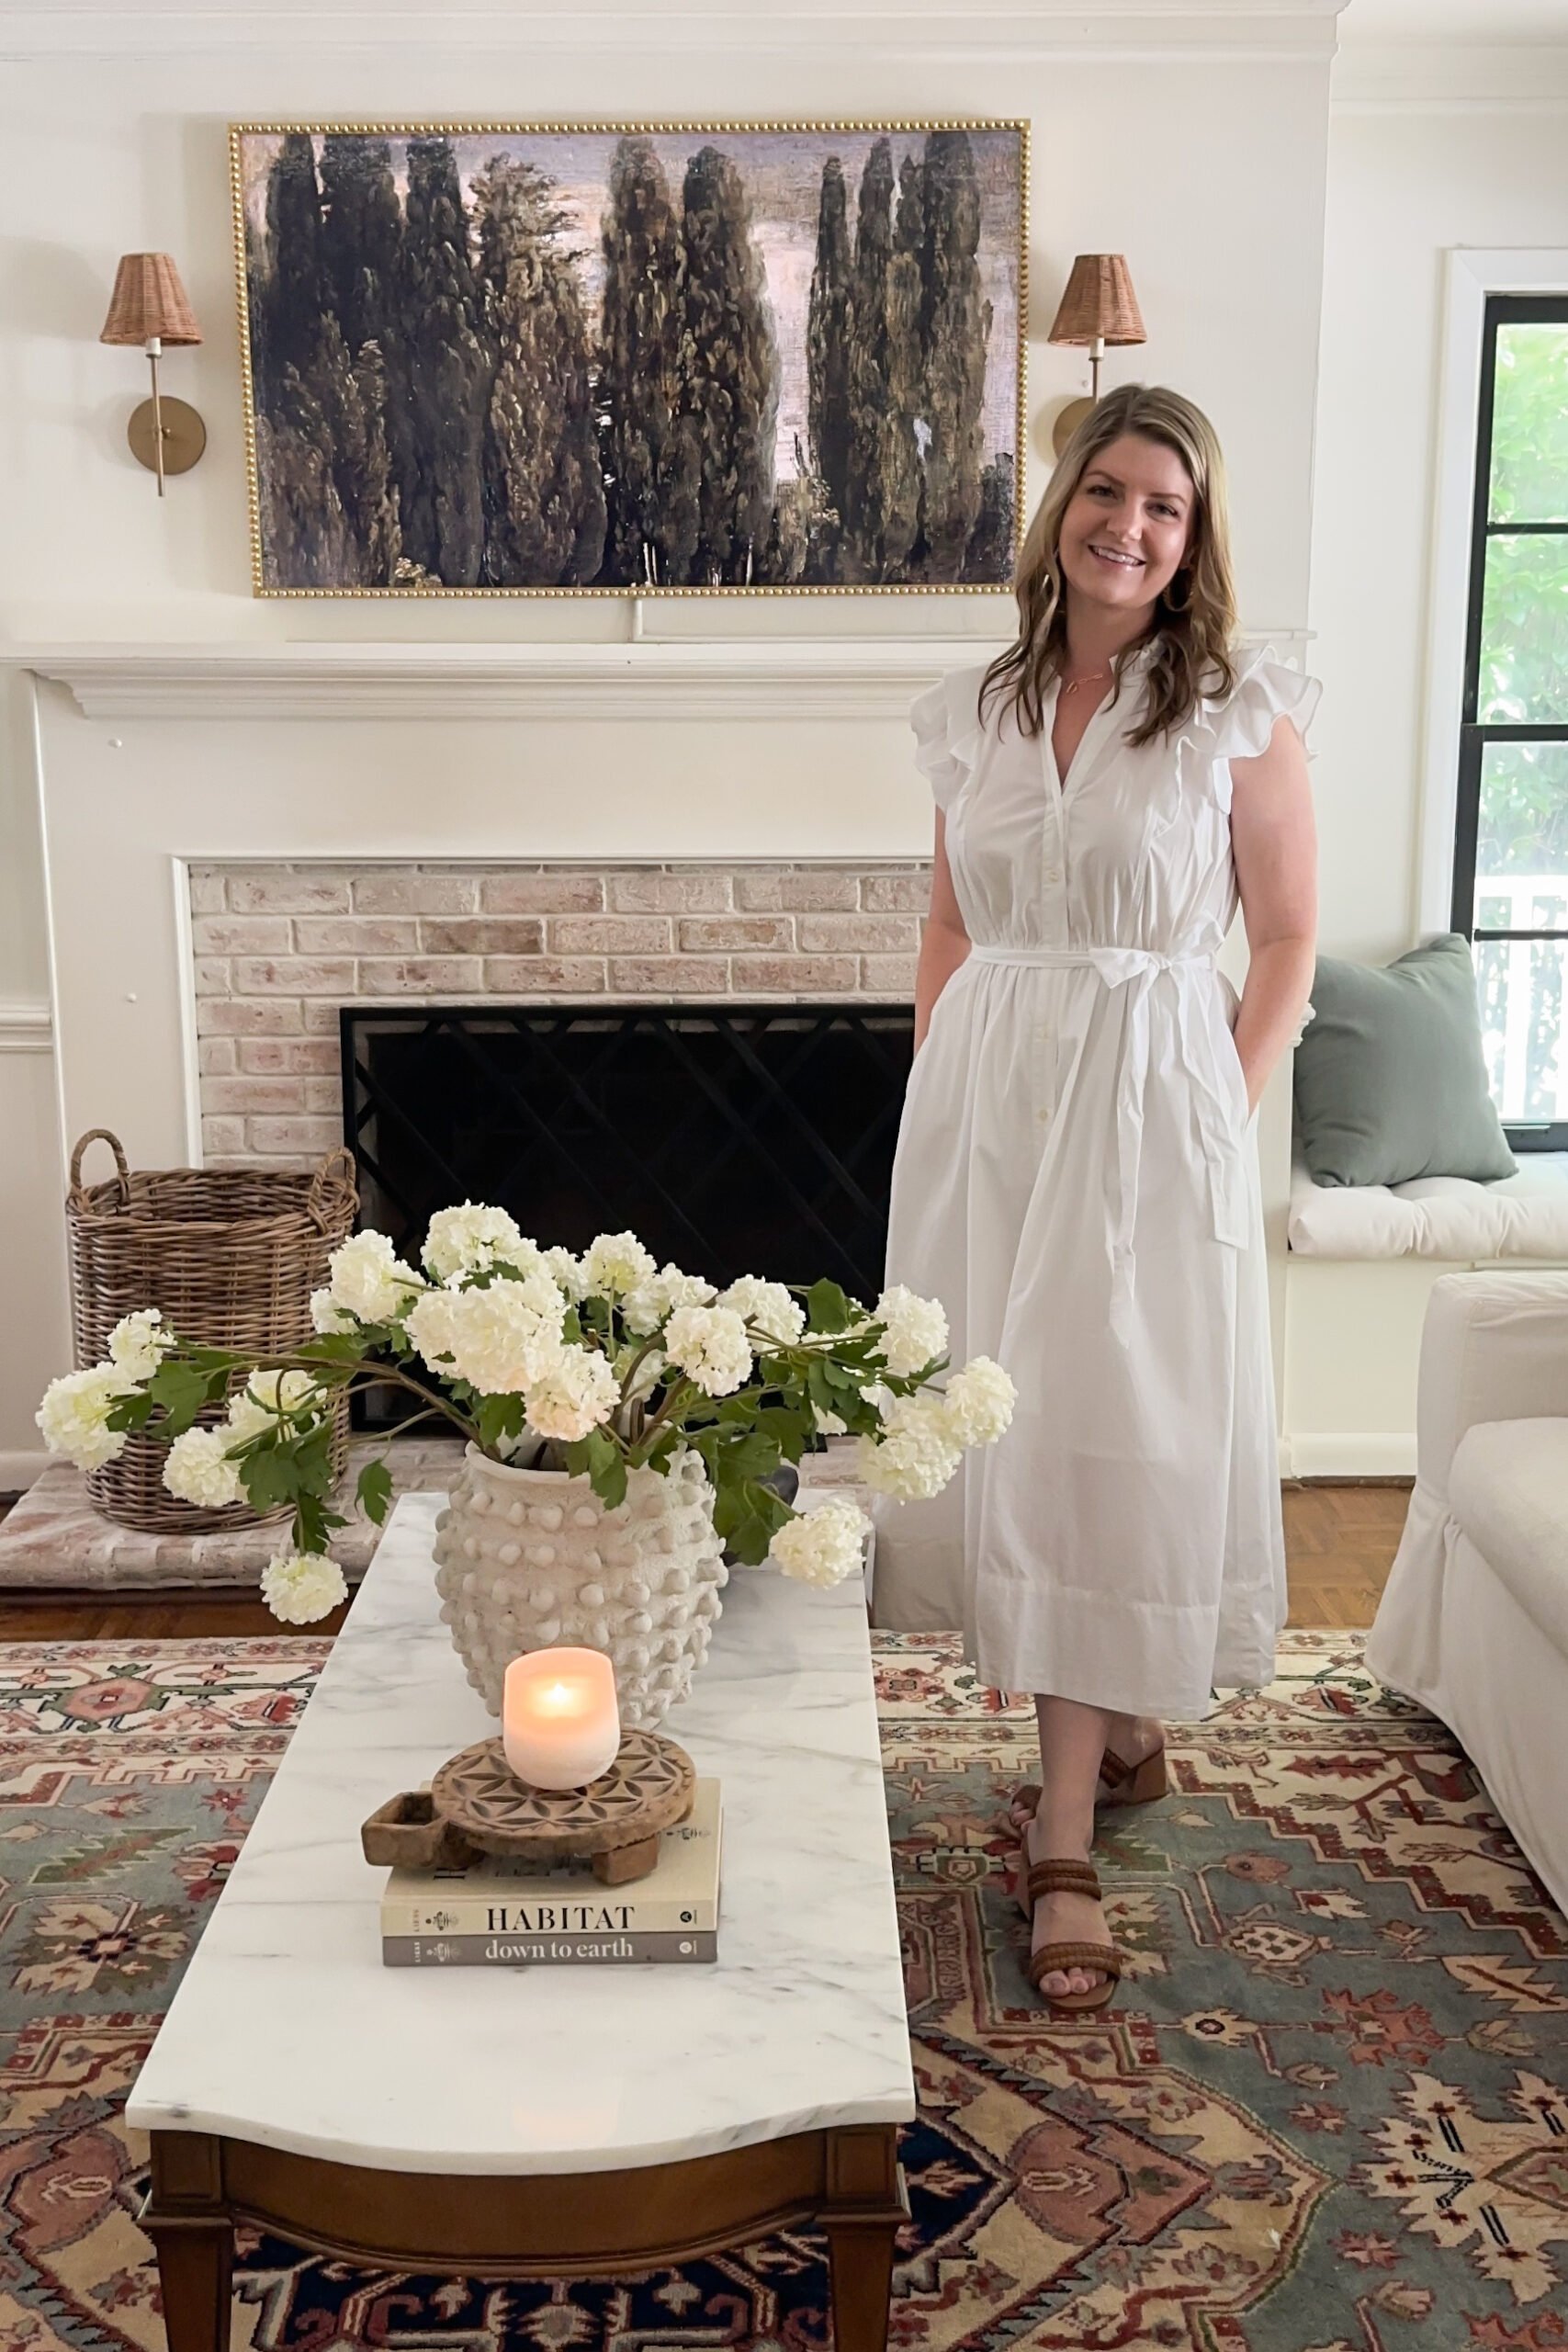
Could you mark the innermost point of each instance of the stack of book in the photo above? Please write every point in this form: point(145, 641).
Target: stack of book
point(498, 1913)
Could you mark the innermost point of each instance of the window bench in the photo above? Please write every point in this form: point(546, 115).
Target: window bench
point(1522, 1216)
point(1359, 1266)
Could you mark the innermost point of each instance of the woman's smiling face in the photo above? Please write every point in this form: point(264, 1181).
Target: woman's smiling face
point(1127, 526)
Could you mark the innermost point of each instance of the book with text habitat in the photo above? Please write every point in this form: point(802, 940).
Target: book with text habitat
point(510, 1913)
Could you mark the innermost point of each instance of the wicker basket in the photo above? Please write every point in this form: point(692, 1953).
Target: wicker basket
point(231, 1256)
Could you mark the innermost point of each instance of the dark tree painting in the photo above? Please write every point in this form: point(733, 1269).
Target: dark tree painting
point(516, 361)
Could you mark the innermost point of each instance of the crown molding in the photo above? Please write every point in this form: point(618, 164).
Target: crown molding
point(1450, 77)
point(1231, 30)
point(25, 1025)
point(782, 679)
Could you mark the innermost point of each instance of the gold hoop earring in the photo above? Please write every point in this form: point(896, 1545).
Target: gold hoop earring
point(1172, 604)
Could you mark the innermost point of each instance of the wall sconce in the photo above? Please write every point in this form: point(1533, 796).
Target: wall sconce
point(1099, 307)
point(149, 306)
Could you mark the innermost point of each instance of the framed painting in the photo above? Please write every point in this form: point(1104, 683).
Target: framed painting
point(631, 359)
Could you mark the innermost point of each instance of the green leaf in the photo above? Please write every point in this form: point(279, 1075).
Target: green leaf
point(181, 1390)
point(269, 1477)
point(606, 1468)
point(751, 1517)
point(314, 1459)
point(375, 1491)
point(498, 1417)
point(748, 1454)
point(131, 1412)
point(789, 1427)
point(827, 1308)
point(313, 1524)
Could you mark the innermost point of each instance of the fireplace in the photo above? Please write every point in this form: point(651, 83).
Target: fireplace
point(734, 1138)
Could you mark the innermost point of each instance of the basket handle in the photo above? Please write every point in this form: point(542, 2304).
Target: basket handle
point(336, 1169)
point(77, 1198)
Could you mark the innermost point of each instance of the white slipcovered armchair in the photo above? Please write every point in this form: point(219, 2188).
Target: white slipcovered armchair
point(1474, 1619)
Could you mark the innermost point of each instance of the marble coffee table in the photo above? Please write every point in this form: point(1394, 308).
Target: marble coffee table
point(551, 2121)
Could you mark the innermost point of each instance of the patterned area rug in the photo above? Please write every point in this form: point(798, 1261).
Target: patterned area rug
point(1327, 2115)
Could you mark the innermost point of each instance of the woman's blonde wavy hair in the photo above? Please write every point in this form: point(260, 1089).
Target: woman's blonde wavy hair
point(1191, 637)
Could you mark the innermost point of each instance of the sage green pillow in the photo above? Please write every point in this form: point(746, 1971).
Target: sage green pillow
point(1390, 1076)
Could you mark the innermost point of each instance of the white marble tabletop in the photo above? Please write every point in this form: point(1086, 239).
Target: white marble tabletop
point(286, 2029)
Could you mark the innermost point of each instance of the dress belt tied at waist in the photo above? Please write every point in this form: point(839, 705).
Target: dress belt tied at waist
point(1141, 969)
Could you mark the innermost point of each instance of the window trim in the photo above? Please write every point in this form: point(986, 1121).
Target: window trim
point(1478, 283)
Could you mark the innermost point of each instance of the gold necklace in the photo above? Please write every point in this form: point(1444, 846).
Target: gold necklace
point(1088, 676)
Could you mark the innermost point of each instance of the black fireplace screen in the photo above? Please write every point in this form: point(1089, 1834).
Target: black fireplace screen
point(736, 1139)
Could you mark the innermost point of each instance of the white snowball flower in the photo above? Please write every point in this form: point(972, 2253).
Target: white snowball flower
point(916, 1329)
point(471, 1239)
point(615, 1263)
point(328, 1317)
point(74, 1413)
point(369, 1280)
point(138, 1345)
point(825, 1545)
point(576, 1392)
point(299, 1586)
point(917, 1454)
point(978, 1402)
point(499, 1339)
point(767, 1305)
point(710, 1344)
point(645, 1307)
point(197, 1470)
point(568, 1272)
point(264, 1396)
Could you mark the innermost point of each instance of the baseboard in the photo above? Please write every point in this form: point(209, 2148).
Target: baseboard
point(18, 1470)
point(1349, 1453)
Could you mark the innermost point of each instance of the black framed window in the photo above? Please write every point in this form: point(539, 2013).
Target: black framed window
point(1510, 896)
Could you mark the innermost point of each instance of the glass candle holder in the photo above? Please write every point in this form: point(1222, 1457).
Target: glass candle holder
point(560, 1726)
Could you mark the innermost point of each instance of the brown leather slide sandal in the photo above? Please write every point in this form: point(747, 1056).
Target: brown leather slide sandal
point(1066, 1877)
point(1136, 1784)
point(1127, 1783)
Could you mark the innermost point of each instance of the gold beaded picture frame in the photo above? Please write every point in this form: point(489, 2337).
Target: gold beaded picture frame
point(618, 358)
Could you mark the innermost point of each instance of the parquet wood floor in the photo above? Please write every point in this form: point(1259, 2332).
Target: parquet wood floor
point(1339, 1541)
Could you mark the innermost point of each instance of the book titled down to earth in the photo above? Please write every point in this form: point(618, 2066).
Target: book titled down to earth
point(498, 1914)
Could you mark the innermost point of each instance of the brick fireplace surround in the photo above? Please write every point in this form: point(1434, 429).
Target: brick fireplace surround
point(278, 949)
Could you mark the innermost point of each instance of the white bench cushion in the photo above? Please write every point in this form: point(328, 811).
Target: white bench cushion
point(1509, 1490)
point(1524, 1215)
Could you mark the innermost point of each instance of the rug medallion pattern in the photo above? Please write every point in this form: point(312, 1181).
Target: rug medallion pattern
point(1328, 2114)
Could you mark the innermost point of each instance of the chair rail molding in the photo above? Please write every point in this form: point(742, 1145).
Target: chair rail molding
point(651, 679)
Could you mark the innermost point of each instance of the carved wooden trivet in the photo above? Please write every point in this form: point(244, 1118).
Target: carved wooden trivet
point(475, 1806)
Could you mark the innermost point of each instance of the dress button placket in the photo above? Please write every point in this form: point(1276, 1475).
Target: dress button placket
point(1053, 928)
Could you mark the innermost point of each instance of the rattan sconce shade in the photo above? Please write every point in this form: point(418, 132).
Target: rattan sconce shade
point(149, 301)
point(1099, 301)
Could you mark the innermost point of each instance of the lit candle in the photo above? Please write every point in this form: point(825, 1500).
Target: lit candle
point(560, 1725)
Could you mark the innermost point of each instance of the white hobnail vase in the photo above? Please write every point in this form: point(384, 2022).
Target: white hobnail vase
point(526, 1559)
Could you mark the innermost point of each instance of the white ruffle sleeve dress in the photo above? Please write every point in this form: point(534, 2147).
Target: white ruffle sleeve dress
point(1076, 1181)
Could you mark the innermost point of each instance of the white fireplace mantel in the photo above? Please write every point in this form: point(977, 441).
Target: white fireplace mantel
point(777, 679)
point(652, 680)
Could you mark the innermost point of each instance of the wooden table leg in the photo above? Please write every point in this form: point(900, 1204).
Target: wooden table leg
point(188, 2218)
point(861, 2256)
point(195, 2267)
point(865, 2207)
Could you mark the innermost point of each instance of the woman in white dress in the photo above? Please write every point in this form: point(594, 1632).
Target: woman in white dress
point(1075, 1177)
